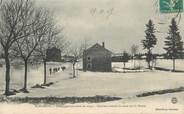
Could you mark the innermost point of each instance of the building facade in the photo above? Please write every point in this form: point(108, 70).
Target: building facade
point(97, 58)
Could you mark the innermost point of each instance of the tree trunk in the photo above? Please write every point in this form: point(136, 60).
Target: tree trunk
point(25, 75)
point(7, 78)
point(149, 66)
point(149, 59)
point(45, 71)
point(124, 67)
point(139, 63)
point(173, 64)
point(84, 61)
point(134, 63)
point(74, 71)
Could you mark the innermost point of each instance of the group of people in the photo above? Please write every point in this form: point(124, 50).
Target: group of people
point(54, 70)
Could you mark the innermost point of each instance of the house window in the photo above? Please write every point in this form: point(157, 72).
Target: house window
point(89, 58)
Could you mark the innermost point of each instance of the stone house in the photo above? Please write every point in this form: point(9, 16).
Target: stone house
point(97, 58)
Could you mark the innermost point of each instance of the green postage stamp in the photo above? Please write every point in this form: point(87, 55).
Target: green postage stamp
point(171, 6)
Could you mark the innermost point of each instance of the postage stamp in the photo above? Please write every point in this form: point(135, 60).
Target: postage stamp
point(171, 6)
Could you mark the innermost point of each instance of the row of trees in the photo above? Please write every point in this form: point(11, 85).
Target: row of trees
point(173, 42)
point(26, 32)
point(173, 45)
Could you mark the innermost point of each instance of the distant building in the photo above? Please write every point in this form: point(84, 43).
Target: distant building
point(97, 58)
point(117, 57)
point(67, 58)
point(53, 54)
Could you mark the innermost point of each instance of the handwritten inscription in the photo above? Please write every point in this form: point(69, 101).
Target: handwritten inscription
point(103, 12)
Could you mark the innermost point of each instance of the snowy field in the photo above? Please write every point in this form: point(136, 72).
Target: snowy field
point(124, 85)
point(159, 63)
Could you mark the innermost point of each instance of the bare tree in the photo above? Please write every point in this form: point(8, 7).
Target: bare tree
point(134, 50)
point(53, 38)
point(25, 47)
point(13, 20)
point(77, 53)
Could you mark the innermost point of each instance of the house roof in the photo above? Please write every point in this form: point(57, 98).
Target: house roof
point(97, 47)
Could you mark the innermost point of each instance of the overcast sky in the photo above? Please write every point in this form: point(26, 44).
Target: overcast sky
point(118, 23)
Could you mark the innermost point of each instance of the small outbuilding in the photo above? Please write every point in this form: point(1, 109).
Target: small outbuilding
point(53, 54)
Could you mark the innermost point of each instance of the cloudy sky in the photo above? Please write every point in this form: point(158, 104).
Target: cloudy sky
point(118, 23)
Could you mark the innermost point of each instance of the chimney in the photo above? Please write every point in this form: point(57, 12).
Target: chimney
point(103, 44)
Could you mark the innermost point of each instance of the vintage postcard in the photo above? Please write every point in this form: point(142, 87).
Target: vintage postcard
point(91, 57)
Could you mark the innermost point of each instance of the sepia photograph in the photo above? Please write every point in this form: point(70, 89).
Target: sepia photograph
point(91, 56)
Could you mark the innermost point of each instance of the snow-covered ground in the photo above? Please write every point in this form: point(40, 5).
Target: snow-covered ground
point(159, 63)
point(35, 75)
point(124, 85)
point(113, 84)
point(168, 64)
